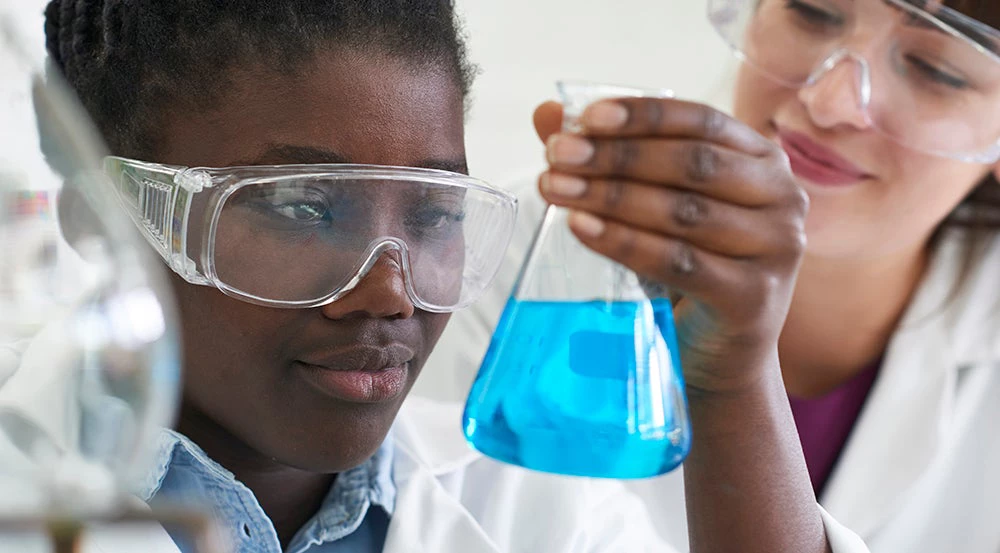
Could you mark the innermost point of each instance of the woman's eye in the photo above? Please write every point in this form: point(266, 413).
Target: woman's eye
point(812, 14)
point(929, 71)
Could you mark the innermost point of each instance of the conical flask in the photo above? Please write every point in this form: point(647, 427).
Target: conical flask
point(582, 376)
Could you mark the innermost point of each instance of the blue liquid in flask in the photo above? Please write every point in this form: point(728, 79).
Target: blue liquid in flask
point(589, 388)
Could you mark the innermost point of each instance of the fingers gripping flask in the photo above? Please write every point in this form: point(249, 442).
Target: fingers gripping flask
point(582, 376)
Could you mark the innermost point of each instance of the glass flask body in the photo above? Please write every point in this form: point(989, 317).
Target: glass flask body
point(583, 374)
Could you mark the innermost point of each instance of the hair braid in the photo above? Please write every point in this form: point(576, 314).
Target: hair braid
point(132, 62)
point(52, 20)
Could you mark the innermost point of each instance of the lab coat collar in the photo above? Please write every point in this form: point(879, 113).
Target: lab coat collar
point(430, 446)
point(431, 520)
point(427, 440)
point(907, 419)
point(965, 313)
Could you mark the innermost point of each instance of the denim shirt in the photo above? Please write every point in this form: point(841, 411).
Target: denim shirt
point(354, 517)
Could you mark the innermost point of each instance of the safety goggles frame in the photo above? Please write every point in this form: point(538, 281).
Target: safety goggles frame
point(159, 199)
point(722, 12)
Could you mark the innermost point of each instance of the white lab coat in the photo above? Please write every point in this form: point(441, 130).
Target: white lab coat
point(450, 499)
point(921, 471)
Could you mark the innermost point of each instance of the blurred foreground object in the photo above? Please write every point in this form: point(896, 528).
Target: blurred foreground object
point(89, 360)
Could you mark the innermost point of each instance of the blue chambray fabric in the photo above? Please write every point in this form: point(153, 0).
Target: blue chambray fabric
point(354, 517)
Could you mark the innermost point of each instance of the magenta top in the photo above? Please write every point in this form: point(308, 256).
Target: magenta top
point(825, 423)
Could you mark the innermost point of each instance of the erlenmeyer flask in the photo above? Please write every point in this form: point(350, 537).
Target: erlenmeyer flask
point(583, 375)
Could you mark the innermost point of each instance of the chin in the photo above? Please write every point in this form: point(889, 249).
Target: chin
point(335, 440)
point(329, 454)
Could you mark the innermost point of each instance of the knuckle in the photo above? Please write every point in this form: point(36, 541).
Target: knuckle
point(787, 191)
point(614, 192)
point(800, 201)
point(796, 239)
point(653, 288)
point(798, 242)
point(713, 122)
point(623, 155)
point(762, 286)
point(702, 162)
point(690, 210)
point(625, 244)
point(771, 285)
point(781, 156)
point(681, 260)
point(789, 238)
point(653, 113)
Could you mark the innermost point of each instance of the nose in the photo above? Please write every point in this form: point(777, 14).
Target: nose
point(380, 294)
point(835, 99)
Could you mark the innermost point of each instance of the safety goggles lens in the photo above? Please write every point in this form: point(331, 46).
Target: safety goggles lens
point(303, 239)
point(928, 79)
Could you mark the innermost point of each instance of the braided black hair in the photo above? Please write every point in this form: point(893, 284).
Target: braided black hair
point(132, 60)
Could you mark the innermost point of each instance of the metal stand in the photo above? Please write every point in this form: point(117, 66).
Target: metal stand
point(66, 533)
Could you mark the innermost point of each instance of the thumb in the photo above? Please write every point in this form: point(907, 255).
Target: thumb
point(548, 119)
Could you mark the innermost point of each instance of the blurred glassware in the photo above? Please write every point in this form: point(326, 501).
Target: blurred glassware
point(89, 357)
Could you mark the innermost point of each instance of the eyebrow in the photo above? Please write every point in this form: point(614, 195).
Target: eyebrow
point(282, 154)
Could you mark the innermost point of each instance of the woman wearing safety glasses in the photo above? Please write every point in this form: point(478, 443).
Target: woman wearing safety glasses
point(889, 113)
point(300, 167)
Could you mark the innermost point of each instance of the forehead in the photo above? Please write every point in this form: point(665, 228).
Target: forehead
point(367, 108)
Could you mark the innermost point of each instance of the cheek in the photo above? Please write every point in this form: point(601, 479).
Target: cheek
point(222, 337)
point(903, 209)
point(928, 189)
point(756, 100)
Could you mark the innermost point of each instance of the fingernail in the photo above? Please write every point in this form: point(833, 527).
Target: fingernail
point(605, 116)
point(566, 149)
point(564, 185)
point(586, 224)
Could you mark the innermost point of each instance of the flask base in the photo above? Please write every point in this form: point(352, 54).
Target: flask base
point(579, 450)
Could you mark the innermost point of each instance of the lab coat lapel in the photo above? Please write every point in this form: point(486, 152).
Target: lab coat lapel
point(428, 519)
point(904, 424)
point(896, 438)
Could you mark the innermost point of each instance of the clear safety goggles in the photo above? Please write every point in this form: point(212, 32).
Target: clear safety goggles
point(923, 74)
point(298, 236)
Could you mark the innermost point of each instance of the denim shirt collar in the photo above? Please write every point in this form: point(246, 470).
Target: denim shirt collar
point(353, 493)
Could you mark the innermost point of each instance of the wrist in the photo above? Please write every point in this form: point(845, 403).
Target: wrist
point(747, 376)
point(756, 400)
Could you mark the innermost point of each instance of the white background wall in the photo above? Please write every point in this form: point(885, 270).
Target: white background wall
point(524, 46)
point(20, 146)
